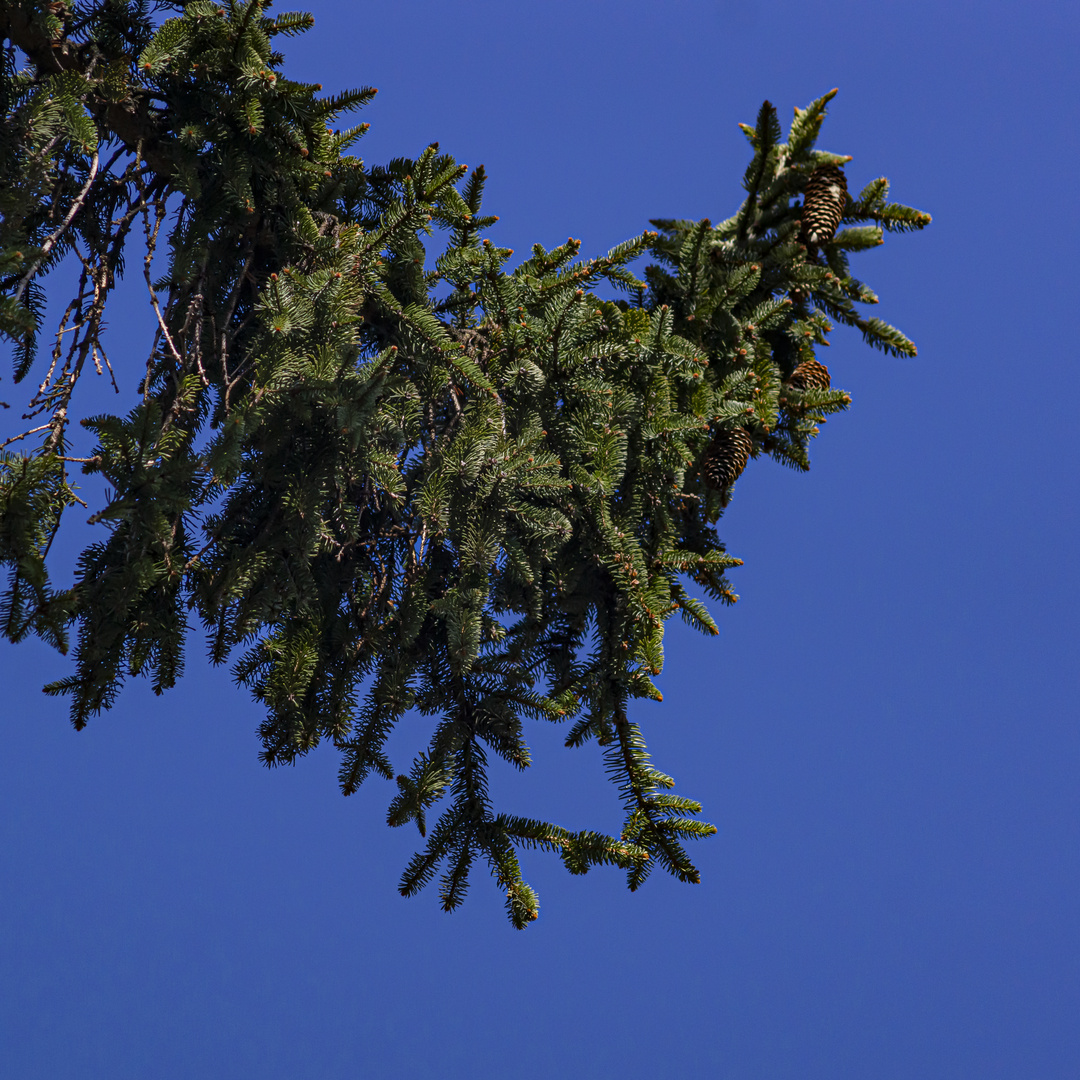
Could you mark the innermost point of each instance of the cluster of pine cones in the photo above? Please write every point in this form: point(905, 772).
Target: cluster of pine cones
point(728, 453)
point(824, 200)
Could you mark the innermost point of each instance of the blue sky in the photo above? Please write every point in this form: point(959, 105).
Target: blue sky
point(886, 732)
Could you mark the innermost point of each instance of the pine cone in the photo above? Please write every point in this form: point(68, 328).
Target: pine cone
point(824, 199)
point(810, 375)
point(475, 340)
point(726, 457)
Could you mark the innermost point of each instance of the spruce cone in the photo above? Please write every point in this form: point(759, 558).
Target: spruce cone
point(726, 457)
point(475, 340)
point(810, 375)
point(824, 199)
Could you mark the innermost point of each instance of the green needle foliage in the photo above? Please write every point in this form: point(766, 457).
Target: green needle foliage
point(385, 471)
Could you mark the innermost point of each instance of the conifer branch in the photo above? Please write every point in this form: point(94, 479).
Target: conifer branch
point(378, 495)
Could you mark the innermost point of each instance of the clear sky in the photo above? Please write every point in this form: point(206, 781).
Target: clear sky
point(886, 732)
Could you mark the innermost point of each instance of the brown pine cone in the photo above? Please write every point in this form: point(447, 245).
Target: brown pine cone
point(810, 375)
point(726, 457)
point(824, 199)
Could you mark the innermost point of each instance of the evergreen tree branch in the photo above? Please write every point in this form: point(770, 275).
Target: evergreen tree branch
point(380, 496)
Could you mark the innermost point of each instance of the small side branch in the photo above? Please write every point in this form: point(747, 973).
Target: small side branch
point(51, 241)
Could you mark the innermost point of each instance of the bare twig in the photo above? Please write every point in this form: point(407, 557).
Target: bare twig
point(24, 435)
point(151, 247)
point(234, 299)
point(50, 242)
